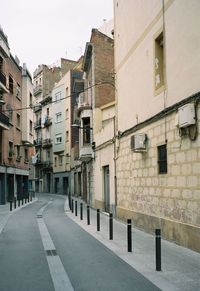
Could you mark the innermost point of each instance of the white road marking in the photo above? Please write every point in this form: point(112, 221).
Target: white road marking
point(59, 276)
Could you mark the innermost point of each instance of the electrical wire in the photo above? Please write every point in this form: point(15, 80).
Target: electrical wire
point(56, 101)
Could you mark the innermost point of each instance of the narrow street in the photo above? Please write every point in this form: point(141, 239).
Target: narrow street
point(43, 249)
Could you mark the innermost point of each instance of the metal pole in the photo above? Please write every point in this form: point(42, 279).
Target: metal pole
point(129, 235)
point(18, 202)
point(75, 208)
point(81, 211)
point(15, 200)
point(72, 205)
point(98, 219)
point(10, 205)
point(88, 214)
point(111, 226)
point(158, 249)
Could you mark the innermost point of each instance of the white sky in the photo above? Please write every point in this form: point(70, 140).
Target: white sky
point(43, 31)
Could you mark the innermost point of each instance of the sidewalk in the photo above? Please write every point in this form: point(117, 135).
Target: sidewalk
point(180, 266)
point(5, 212)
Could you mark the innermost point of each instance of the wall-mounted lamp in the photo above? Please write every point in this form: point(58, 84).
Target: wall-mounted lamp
point(75, 125)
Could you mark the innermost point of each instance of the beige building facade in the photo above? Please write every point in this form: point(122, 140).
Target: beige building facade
point(157, 65)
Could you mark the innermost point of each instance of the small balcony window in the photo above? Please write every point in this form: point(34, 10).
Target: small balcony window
point(162, 159)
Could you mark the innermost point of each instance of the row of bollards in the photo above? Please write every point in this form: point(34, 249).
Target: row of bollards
point(129, 230)
point(22, 200)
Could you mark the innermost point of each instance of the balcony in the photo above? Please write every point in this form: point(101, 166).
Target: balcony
point(37, 142)
point(37, 107)
point(47, 121)
point(46, 143)
point(38, 124)
point(86, 153)
point(4, 121)
point(83, 104)
point(47, 165)
point(3, 83)
point(37, 90)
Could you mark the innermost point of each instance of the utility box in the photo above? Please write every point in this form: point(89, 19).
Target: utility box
point(139, 142)
point(186, 115)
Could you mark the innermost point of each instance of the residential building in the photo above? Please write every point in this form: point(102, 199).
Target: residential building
point(98, 93)
point(44, 80)
point(14, 152)
point(157, 64)
point(63, 98)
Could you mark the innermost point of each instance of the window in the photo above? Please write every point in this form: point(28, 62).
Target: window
point(58, 96)
point(55, 161)
point(18, 121)
point(26, 155)
point(30, 99)
point(86, 130)
point(162, 159)
point(30, 127)
point(18, 153)
point(10, 149)
point(159, 62)
point(58, 138)
point(58, 117)
point(18, 91)
point(48, 155)
point(47, 111)
point(11, 84)
point(60, 160)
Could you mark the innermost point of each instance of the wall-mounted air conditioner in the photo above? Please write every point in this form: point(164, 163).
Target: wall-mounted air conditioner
point(139, 142)
point(186, 115)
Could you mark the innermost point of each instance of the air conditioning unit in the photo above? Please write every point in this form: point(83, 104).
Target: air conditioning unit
point(186, 115)
point(139, 142)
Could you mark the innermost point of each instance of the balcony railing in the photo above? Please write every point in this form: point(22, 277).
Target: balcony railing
point(47, 142)
point(37, 90)
point(37, 142)
point(37, 107)
point(47, 121)
point(47, 165)
point(38, 123)
point(4, 121)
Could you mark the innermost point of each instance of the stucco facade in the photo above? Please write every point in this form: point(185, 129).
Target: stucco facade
point(156, 197)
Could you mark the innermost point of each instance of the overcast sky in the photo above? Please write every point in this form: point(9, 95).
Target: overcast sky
point(43, 31)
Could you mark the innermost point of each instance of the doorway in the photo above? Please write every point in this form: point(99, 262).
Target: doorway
point(106, 180)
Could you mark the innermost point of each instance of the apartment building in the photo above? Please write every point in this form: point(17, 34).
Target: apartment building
point(157, 65)
point(64, 97)
point(98, 93)
point(14, 145)
point(44, 79)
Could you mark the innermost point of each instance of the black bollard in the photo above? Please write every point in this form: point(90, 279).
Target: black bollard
point(158, 249)
point(15, 201)
point(10, 205)
point(81, 211)
point(75, 208)
point(72, 206)
point(129, 235)
point(88, 214)
point(22, 201)
point(111, 226)
point(69, 201)
point(18, 202)
point(98, 219)
point(28, 198)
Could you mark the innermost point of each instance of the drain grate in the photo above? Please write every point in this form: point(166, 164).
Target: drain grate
point(51, 253)
point(39, 216)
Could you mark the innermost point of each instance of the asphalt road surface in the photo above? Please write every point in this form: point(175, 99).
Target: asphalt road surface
point(41, 249)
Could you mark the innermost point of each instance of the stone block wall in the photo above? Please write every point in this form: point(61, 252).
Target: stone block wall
point(170, 200)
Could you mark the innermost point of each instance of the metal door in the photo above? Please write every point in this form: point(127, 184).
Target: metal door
point(106, 188)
